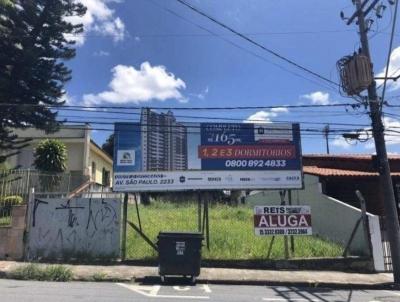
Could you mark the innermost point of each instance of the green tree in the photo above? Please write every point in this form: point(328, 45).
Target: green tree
point(34, 47)
point(108, 146)
point(50, 158)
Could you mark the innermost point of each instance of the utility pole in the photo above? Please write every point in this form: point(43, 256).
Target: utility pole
point(326, 135)
point(392, 220)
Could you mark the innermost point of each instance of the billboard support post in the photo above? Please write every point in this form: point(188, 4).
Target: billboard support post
point(207, 224)
point(199, 211)
point(285, 240)
point(124, 219)
point(270, 247)
point(137, 212)
point(291, 237)
point(205, 230)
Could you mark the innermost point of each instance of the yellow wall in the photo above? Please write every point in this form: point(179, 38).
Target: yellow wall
point(101, 162)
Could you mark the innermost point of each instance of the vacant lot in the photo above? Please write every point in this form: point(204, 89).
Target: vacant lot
point(231, 233)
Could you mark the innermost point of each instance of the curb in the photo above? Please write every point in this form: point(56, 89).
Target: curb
point(151, 280)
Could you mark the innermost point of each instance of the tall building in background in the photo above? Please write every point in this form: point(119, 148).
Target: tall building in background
point(164, 142)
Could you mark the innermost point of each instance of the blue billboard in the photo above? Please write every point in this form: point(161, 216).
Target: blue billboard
point(160, 153)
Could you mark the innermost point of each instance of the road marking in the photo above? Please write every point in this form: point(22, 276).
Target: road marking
point(394, 293)
point(181, 288)
point(152, 292)
point(290, 300)
point(206, 288)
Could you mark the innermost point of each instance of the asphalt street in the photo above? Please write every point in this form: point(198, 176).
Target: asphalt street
point(33, 291)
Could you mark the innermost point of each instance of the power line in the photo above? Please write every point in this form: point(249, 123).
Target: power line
point(184, 108)
point(178, 35)
point(274, 53)
point(326, 86)
point(207, 119)
point(198, 126)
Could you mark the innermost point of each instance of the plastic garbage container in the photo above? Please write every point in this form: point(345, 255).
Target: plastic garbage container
point(179, 254)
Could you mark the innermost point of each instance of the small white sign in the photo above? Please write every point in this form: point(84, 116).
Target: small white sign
point(273, 132)
point(126, 158)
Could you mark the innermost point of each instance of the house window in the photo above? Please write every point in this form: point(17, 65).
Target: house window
point(106, 178)
point(93, 171)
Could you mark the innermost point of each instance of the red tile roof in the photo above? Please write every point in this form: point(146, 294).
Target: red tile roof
point(314, 170)
point(349, 156)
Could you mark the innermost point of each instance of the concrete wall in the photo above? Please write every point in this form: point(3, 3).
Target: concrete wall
point(76, 228)
point(331, 218)
point(12, 237)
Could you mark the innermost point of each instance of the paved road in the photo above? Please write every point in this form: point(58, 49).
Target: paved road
point(31, 291)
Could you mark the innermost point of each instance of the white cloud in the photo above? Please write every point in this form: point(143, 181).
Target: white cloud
point(99, 19)
point(391, 138)
point(341, 142)
point(68, 99)
point(130, 85)
point(101, 53)
point(264, 116)
point(202, 95)
point(394, 70)
point(318, 98)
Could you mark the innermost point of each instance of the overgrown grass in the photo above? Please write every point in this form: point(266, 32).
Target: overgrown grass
point(43, 273)
point(231, 233)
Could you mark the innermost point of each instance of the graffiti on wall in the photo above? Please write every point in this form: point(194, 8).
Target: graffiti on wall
point(74, 228)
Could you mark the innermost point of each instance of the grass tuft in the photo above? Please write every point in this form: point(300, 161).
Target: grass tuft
point(33, 271)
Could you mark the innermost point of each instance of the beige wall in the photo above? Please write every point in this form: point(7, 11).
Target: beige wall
point(70, 132)
point(75, 151)
point(101, 161)
point(75, 156)
point(81, 151)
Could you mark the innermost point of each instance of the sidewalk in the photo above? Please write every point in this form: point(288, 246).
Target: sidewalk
point(125, 273)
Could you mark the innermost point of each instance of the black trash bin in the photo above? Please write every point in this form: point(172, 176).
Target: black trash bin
point(179, 254)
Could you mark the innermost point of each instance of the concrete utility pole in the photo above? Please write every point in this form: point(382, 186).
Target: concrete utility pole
point(392, 220)
point(326, 135)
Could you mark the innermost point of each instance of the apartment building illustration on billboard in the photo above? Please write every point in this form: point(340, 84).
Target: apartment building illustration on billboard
point(164, 142)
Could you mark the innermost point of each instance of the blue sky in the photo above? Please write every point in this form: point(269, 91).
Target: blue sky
point(158, 53)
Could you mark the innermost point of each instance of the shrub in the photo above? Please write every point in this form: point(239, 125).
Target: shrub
point(49, 273)
point(50, 159)
point(12, 200)
point(7, 202)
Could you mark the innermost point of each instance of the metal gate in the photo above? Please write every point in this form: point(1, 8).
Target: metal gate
point(387, 257)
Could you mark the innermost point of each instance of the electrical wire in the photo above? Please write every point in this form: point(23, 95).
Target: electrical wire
point(193, 35)
point(274, 53)
point(207, 118)
point(326, 86)
point(185, 108)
